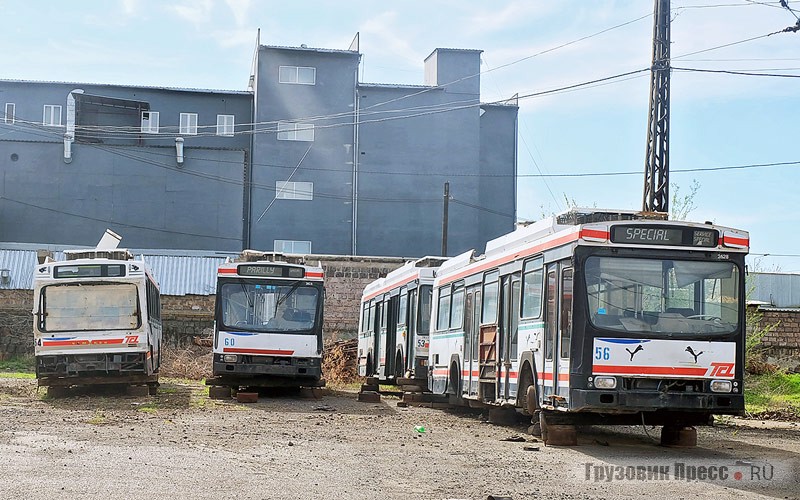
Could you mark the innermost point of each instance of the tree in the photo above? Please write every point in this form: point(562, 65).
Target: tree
point(682, 206)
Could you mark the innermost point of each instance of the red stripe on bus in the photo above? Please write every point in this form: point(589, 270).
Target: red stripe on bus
point(525, 252)
point(315, 275)
point(562, 377)
point(276, 352)
point(594, 233)
point(227, 270)
point(390, 287)
point(57, 343)
point(732, 240)
point(649, 370)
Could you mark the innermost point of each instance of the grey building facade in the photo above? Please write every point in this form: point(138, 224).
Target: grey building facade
point(308, 160)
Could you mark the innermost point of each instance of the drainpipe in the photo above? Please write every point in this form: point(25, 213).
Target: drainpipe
point(69, 134)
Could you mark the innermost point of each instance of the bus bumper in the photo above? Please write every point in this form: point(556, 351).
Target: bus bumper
point(610, 401)
point(257, 366)
point(80, 365)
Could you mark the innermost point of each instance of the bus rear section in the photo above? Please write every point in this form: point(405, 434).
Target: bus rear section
point(394, 326)
point(97, 320)
point(268, 325)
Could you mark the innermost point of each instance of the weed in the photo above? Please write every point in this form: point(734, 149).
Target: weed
point(21, 364)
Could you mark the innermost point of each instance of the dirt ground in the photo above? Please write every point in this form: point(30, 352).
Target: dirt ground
point(103, 444)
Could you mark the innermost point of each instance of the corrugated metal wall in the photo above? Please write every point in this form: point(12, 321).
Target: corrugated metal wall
point(776, 289)
point(176, 274)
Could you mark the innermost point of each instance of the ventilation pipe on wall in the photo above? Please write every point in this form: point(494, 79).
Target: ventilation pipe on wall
point(69, 134)
point(179, 150)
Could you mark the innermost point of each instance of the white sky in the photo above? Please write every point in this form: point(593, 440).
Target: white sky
point(717, 120)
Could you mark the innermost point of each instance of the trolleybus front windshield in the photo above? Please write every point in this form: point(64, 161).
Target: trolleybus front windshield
point(269, 307)
point(88, 307)
point(663, 296)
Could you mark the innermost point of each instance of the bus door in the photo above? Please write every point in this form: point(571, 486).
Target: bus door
point(557, 330)
point(565, 332)
point(391, 336)
point(411, 335)
point(379, 335)
point(509, 335)
point(472, 321)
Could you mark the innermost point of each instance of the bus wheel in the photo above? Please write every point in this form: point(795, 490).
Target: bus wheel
point(531, 400)
point(399, 366)
point(152, 388)
point(454, 386)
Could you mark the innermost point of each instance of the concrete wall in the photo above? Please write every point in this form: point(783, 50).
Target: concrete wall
point(189, 316)
point(123, 179)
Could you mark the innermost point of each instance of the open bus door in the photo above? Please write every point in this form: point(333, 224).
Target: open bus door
point(390, 340)
point(509, 323)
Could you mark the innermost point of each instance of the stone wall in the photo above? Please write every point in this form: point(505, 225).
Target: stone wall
point(188, 318)
point(784, 339)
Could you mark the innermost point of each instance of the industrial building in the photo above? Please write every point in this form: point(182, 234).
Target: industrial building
point(307, 159)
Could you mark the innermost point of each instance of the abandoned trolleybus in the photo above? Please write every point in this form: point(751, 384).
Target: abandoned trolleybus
point(395, 323)
point(602, 317)
point(268, 324)
point(97, 320)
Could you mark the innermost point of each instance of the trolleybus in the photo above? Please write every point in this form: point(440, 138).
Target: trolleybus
point(599, 316)
point(97, 320)
point(395, 323)
point(268, 324)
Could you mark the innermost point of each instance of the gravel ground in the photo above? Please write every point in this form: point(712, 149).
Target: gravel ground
point(179, 444)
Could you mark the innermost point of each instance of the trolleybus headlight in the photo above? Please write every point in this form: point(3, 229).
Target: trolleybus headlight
point(605, 382)
point(230, 358)
point(721, 386)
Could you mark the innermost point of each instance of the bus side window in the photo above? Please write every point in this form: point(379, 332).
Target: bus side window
point(443, 309)
point(490, 293)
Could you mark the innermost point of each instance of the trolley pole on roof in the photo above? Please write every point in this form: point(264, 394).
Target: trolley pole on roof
point(656, 171)
point(444, 218)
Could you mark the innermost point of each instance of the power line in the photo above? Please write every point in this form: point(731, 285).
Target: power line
point(743, 73)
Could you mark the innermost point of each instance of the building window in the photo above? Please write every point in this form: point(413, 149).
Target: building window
point(299, 75)
point(150, 122)
point(288, 131)
point(225, 125)
point(9, 116)
point(52, 115)
point(291, 246)
point(188, 124)
point(287, 190)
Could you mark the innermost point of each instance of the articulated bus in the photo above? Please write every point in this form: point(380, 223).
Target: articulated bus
point(395, 323)
point(599, 316)
point(97, 320)
point(268, 324)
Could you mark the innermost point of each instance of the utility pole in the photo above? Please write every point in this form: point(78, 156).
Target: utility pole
point(444, 218)
point(656, 171)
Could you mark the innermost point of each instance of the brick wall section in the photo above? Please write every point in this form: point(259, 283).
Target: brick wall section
point(345, 279)
point(785, 338)
point(189, 316)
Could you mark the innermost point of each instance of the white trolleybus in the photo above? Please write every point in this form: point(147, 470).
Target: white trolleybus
point(597, 317)
point(394, 327)
point(97, 320)
point(268, 324)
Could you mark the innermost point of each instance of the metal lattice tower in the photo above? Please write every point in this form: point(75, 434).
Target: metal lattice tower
point(656, 171)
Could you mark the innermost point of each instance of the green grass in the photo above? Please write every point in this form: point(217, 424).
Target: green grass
point(771, 391)
point(17, 375)
point(18, 364)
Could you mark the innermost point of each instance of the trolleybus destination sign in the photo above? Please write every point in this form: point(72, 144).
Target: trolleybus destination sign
point(664, 235)
point(270, 271)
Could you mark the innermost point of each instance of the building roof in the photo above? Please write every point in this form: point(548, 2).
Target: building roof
point(110, 85)
point(311, 49)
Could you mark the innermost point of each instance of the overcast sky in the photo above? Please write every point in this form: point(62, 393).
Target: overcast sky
point(530, 46)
